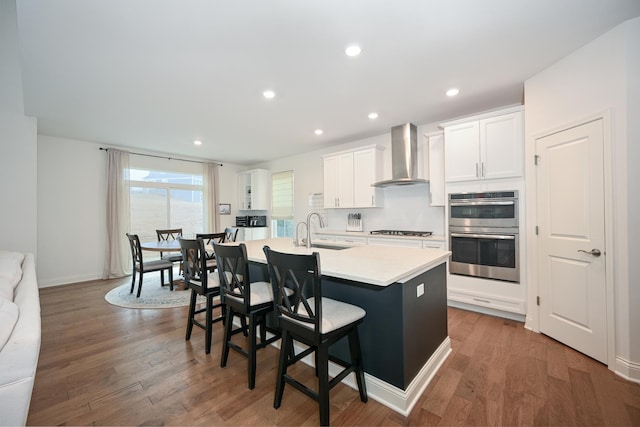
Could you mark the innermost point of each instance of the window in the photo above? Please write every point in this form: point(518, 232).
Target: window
point(282, 204)
point(165, 194)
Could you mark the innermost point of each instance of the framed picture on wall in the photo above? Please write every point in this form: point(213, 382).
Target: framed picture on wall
point(224, 209)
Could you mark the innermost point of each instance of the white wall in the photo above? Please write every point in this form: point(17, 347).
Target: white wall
point(71, 210)
point(18, 170)
point(602, 75)
point(71, 197)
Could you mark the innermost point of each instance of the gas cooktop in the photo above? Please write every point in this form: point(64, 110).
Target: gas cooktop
point(402, 233)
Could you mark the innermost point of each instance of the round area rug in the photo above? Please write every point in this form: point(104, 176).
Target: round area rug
point(153, 296)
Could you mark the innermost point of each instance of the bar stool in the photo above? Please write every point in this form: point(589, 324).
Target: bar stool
point(316, 321)
point(208, 239)
point(241, 297)
point(231, 234)
point(201, 282)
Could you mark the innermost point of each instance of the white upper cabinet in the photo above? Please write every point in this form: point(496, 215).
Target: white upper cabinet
point(338, 181)
point(501, 145)
point(462, 152)
point(488, 148)
point(435, 151)
point(348, 177)
point(367, 167)
point(254, 190)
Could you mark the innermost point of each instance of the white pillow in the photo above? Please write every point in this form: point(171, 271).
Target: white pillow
point(11, 266)
point(6, 289)
point(8, 319)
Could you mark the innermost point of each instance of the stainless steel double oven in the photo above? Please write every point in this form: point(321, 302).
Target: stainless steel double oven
point(483, 235)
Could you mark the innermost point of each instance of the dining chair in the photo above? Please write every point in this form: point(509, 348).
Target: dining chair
point(208, 239)
point(232, 234)
point(316, 321)
point(198, 277)
point(169, 235)
point(251, 300)
point(141, 267)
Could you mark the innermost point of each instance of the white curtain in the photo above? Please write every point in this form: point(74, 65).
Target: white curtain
point(211, 178)
point(117, 261)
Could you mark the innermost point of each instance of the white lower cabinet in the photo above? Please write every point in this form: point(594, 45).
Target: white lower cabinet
point(249, 233)
point(483, 298)
point(433, 244)
point(406, 243)
point(347, 240)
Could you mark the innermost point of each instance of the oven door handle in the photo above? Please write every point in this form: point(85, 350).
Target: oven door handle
point(484, 236)
point(486, 202)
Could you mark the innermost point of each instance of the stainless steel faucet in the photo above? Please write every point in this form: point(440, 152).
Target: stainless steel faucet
point(297, 241)
point(309, 226)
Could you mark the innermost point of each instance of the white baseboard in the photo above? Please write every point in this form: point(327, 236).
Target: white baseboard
point(401, 401)
point(68, 280)
point(628, 370)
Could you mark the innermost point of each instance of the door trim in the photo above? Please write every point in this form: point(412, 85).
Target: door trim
point(532, 320)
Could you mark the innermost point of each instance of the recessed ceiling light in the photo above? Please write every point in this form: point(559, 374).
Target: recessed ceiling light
point(353, 50)
point(453, 91)
point(268, 94)
point(373, 116)
point(197, 142)
point(318, 132)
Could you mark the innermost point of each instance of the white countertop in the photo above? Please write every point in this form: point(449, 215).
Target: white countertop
point(376, 265)
point(324, 231)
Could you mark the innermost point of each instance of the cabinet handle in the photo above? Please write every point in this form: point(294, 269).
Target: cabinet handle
point(477, 170)
point(482, 170)
point(482, 300)
point(373, 203)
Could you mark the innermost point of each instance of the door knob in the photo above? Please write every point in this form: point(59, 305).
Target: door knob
point(594, 252)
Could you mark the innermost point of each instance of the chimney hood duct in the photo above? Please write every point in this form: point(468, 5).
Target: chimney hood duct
point(404, 157)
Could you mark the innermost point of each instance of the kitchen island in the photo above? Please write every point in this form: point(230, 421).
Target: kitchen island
point(404, 335)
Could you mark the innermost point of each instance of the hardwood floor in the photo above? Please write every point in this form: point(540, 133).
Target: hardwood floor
point(105, 365)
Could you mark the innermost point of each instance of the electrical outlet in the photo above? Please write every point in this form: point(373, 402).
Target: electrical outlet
point(420, 290)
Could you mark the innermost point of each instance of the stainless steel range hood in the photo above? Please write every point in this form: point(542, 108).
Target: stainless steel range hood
point(404, 157)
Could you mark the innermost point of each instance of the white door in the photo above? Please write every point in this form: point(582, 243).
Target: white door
point(570, 212)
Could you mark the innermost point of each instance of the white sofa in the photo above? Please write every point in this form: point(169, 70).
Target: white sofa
point(19, 335)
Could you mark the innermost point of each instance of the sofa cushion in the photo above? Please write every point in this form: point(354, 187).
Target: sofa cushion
point(11, 267)
point(8, 319)
point(6, 289)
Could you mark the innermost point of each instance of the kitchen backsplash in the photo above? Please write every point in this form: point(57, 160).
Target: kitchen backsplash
point(405, 208)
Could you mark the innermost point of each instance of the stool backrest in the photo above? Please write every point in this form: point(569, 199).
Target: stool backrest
point(231, 233)
point(300, 273)
point(209, 239)
point(195, 262)
point(233, 270)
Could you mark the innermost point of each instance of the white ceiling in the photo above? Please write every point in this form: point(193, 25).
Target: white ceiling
point(157, 74)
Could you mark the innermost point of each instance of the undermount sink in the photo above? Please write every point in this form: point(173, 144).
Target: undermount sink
point(322, 246)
